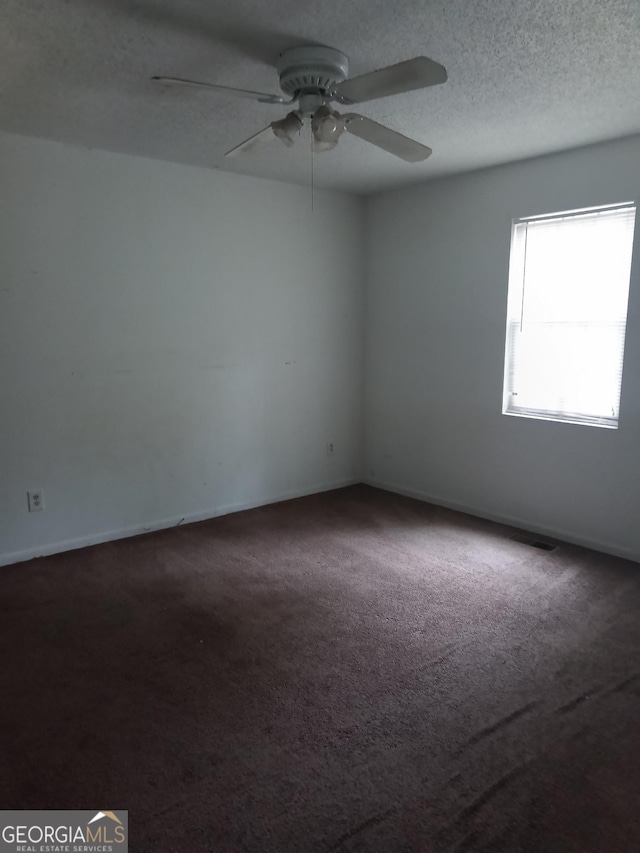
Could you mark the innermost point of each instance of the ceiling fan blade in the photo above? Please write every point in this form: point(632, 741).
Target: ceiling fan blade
point(385, 138)
point(251, 142)
point(405, 76)
point(238, 93)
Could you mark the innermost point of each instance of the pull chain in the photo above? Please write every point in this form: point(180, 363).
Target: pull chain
point(311, 136)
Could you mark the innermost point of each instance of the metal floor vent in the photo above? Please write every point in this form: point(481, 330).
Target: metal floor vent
point(534, 543)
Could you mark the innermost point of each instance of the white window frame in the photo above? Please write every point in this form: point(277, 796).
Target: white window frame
point(517, 278)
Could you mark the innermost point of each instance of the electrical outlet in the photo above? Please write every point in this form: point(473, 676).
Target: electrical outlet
point(330, 448)
point(35, 499)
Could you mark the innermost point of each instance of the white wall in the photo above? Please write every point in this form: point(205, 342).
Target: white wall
point(438, 261)
point(174, 343)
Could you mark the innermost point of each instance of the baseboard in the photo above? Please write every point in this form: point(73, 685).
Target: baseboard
point(511, 521)
point(149, 527)
point(162, 524)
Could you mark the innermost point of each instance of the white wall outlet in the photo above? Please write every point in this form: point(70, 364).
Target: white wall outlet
point(330, 448)
point(35, 499)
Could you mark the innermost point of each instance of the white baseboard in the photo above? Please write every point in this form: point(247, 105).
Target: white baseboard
point(511, 521)
point(151, 526)
point(226, 509)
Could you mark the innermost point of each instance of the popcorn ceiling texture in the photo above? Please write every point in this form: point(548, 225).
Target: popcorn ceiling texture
point(526, 77)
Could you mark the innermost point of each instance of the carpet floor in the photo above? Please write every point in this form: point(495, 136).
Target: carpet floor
point(353, 671)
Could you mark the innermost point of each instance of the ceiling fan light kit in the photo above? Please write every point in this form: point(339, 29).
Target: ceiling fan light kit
point(327, 126)
point(314, 76)
point(287, 128)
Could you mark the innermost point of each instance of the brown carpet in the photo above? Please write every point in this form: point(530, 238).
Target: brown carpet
point(353, 671)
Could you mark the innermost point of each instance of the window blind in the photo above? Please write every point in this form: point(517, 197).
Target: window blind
point(566, 316)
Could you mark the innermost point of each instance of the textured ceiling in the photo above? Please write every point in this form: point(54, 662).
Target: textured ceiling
point(526, 77)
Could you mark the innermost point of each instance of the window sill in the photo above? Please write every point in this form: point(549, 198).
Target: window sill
point(563, 419)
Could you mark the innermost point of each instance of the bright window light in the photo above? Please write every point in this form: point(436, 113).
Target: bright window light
point(566, 316)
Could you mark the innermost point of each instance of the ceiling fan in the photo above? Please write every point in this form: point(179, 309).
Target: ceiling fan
point(313, 77)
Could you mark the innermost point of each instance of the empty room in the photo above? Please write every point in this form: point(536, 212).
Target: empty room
point(319, 426)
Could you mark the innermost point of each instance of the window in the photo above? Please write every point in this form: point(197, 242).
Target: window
point(566, 316)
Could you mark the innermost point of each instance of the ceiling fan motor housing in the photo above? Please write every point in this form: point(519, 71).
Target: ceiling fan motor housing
point(311, 69)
